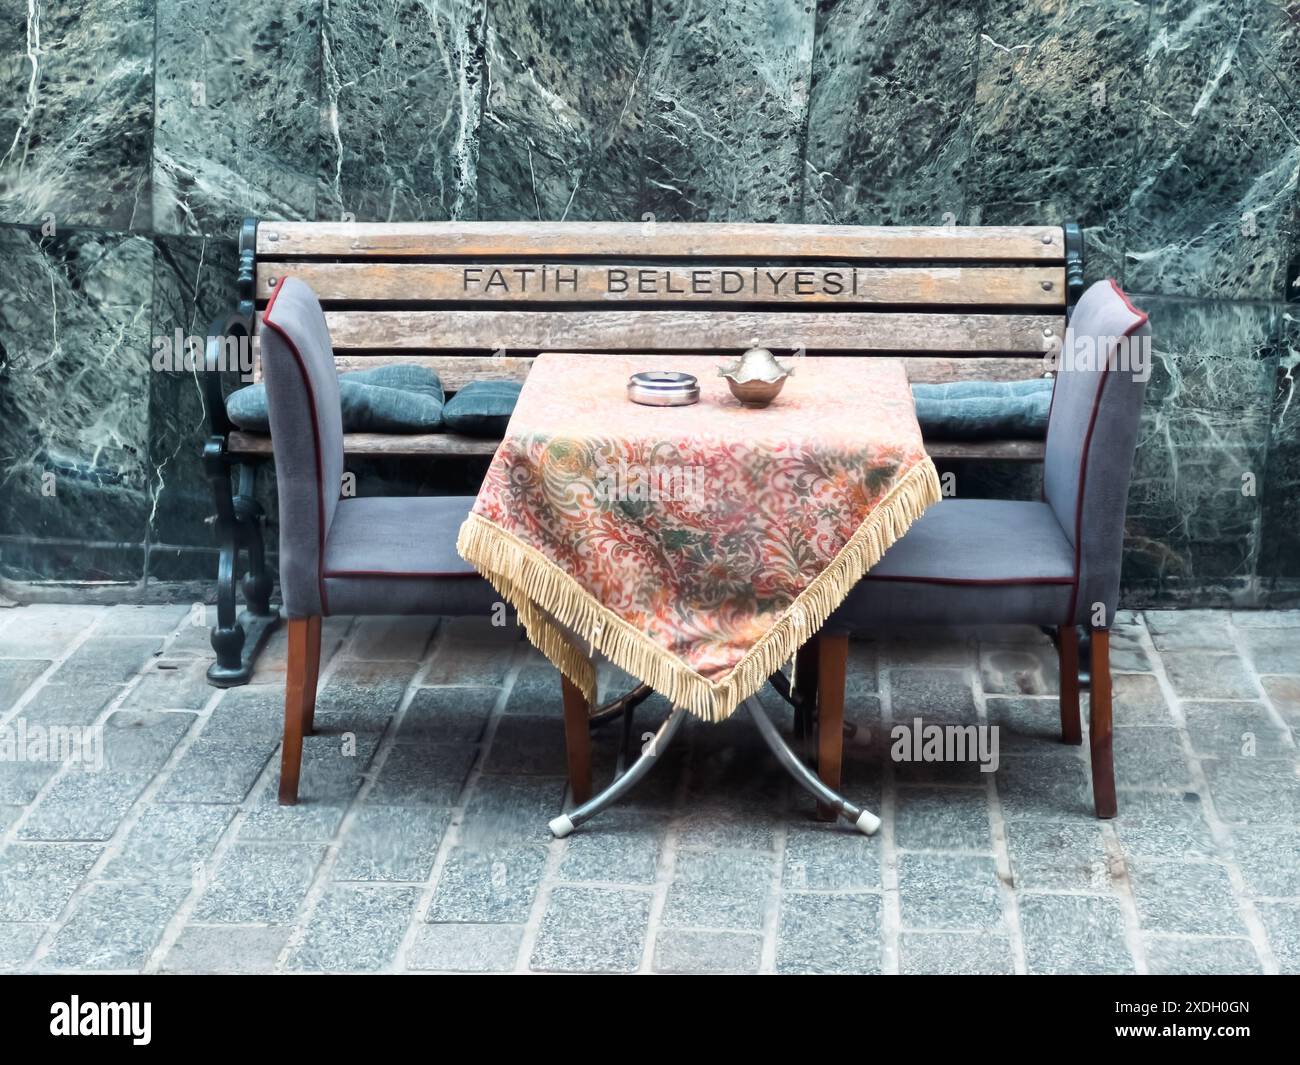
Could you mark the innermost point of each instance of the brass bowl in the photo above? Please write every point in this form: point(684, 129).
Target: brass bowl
point(756, 393)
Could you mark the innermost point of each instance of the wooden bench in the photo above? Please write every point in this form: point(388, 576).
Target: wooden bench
point(479, 300)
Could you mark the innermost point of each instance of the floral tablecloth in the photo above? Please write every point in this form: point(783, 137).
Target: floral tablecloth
point(696, 547)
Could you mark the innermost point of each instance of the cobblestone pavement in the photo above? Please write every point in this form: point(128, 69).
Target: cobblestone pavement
point(421, 843)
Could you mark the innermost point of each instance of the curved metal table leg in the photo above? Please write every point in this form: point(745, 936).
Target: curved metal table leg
point(622, 705)
point(566, 823)
point(863, 820)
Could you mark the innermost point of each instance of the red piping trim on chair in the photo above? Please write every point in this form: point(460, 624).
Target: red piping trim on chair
point(315, 432)
point(1142, 320)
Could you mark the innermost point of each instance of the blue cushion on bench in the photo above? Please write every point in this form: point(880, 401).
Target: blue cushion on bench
point(387, 399)
point(983, 410)
point(482, 408)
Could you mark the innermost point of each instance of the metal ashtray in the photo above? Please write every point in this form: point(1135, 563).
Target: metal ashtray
point(663, 388)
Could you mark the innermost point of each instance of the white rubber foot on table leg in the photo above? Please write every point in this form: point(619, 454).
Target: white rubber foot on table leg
point(867, 823)
point(562, 826)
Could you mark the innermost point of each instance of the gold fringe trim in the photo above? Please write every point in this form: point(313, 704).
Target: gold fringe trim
point(549, 601)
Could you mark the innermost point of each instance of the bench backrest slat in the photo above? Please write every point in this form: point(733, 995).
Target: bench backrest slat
point(477, 300)
point(691, 240)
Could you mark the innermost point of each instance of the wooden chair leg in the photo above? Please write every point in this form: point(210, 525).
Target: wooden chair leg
point(832, 665)
point(313, 675)
point(577, 741)
point(1100, 738)
point(1067, 653)
point(299, 701)
point(806, 676)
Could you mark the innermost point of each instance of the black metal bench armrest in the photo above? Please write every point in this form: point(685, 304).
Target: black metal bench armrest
point(229, 347)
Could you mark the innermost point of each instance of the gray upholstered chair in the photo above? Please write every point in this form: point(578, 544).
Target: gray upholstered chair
point(376, 555)
point(1050, 563)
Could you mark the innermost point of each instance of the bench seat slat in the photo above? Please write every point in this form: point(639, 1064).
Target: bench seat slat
point(616, 284)
point(692, 331)
point(488, 240)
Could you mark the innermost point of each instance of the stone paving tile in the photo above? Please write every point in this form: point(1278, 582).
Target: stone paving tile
point(829, 934)
point(1128, 654)
point(1027, 726)
point(67, 704)
point(625, 850)
point(212, 771)
point(432, 773)
point(1044, 788)
point(474, 651)
point(1269, 859)
point(1272, 650)
point(362, 696)
point(829, 857)
point(1074, 934)
point(942, 819)
point(466, 948)
point(311, 820)
point(1169, 956)
point(719, 889)
point(16, 676)
point(1266, 619)
point(1198, 675)
point(510, 810)
point(587, 929)
point(17, 943)
point(1188, 630)
point(1150, 758)
point(142, 740)
point(20, 782)
point(955, 953)
point(683, 950)
point(713, 826)
point(47, 630)
point(115, 926)
point(83, 805)
point(250, 715)
point(1282, 927)
point(132, 620)
point(1019, 670)
point(259, 883)
point(392, 637)
point(107, 659)
point(526, 744)
point(172, 684)
point(1190, 897)
point(1228, 729)
point(38, 879)
point(931, 694)
point(354, 928)
point(1056, 857)
point(1139, 700)
point(226, 949)
point(447, 715)
point(949, 891)
point(1154, 825)
point(928, 646)
point(169, 843)
point(489, 886)
point(1254, 790)
point(396, 843)
point(1284, 693)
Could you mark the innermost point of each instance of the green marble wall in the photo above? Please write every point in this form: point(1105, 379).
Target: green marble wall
point(134, 134)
